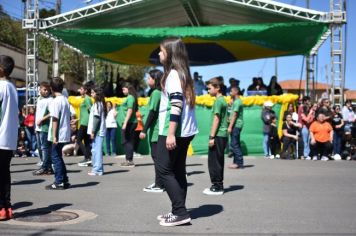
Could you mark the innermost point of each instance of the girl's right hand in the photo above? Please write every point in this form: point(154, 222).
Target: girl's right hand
point(142, 135)
point(171, 142)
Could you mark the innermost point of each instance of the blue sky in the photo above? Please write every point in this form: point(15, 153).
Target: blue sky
point(288, 67)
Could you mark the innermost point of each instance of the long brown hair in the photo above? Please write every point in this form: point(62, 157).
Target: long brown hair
point(177, 59)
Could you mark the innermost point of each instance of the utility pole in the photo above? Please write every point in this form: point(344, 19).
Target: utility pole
point(55, 68)
point(276, 67)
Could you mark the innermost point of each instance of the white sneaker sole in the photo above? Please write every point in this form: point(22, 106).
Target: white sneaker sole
point(153, 190)
point(208, 192)
point(182, 222)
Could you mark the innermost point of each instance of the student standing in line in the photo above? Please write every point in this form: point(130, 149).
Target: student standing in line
point(177, 127)
point(154, 82)
point(235, 128)
point(85, 106)
point(42, 125)
point(59, 134)
point(128, 135)
point(8, 133)
point(97, 129)
point(217, 139)
point(111, 126)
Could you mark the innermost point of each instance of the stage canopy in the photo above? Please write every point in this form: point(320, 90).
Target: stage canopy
point(216, 31)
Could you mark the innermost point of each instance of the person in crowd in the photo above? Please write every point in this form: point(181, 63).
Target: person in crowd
point(177, 128)
point(274, 143)
point(291, 111)
point(304, 118)
point(85, 106)
point(234, 83)
point(274, 88)
point(97, 129)
point(59, 134)
point(118, 88)
point(29, 123)
point(348, 116)
point(42, 125)
point(349, 150)
point(199, 85)
point(138, 130)
point(72, 147)
point(8, 136)
point(235, 129)
point(338, 127)
point(290, 137)
point(260, 86)
point(321, 138)
point(252, 87)
point(111, 127)
point(266, 115)
point(217, 139)
point(128, 134)
point(325, 108)
point(154, 82)
point(22, 144)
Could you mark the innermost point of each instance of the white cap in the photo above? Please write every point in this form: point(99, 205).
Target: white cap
point(268, 104)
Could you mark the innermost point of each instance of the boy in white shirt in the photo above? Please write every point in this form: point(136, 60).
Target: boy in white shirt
point(8, 133)
point(59, 134)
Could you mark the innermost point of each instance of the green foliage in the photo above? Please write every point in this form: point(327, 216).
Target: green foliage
point(11, 31)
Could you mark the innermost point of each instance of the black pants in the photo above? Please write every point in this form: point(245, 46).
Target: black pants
point(324, 149)
point(129, 138)
point(287, 142)
point(171, 170)
point(5, 178)
point(216, 161)
point(82, 135)
point(275, 145)
point(154, 154)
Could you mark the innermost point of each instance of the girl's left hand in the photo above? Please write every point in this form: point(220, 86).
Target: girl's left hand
point(171, 142)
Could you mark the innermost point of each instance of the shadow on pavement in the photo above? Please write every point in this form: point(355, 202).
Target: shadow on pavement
point(25, 170)
point(196, 164)
point(84, 185)
point(233, 188)
point(109, 164)
point(42, 210)
point(145, 164)
point(205, 211)
point(74, 171)
point(248, 166)
point(195, 172)
point(115, 171)
point(19, 205)
point(24, 164)
point(31, 181)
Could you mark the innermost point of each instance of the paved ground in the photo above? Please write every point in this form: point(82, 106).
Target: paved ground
point(269, 197)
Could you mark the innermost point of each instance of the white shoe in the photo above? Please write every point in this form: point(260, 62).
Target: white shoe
point(348, 158)
point(308, 158)
point(324, 158)
point(315, 158)
point(271, 157)
point(277, 156)
point(213, 191)
point(153, 189)
point(39, 163)
point(337, 157)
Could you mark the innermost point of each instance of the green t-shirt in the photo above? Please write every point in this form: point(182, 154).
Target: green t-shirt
point(153, 105)
point(85, 110)
point(130, 103)
point(220, 109)
point(238, 107)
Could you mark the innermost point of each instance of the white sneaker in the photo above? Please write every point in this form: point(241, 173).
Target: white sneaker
point(213, 191)
point(153, 189)
point(337, 157)
point(315, 158)
point(324, 158)
point(348, 158)
point(271, 157)
point(39, 163)
point(136, 154)
point(277, 156)
point(308, 158)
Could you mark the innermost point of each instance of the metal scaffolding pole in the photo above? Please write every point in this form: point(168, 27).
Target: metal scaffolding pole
point(338, 18)
point(31, 24)
point(55, 68)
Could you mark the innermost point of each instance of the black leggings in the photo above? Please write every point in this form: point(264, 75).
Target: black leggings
point(216, 161)
point(129, 138)
point(171, 170)
point(82, 135)
point(324, 149)
point(5, 178)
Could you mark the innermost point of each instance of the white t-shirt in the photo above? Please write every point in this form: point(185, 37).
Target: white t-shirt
point(97, 110)
point(188, 125)
point(111, 120)
point(42, 107)
point(59, 108)
point(9, 116)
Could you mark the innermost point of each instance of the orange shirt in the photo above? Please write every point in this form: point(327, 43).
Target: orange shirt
point(321, 131)
point(139, 121)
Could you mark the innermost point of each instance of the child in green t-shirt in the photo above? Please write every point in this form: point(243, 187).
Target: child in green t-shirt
point(217, 139)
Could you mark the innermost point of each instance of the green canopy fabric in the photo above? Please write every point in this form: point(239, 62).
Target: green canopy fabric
point(206, 45)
